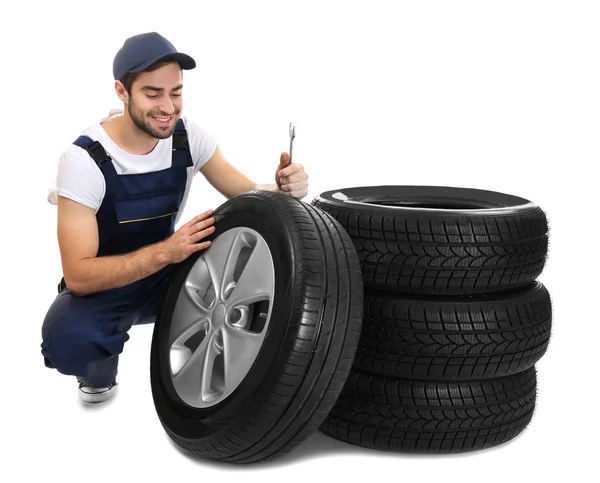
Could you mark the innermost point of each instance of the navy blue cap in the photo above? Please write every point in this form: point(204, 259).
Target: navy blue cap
point(140, 51)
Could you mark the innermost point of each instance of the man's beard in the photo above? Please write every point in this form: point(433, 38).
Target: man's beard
point(144, 124)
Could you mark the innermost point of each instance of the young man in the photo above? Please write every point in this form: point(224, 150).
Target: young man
point(120, 189)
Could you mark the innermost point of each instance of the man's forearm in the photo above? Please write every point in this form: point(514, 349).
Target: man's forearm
point(266, 187)
point(103, 273)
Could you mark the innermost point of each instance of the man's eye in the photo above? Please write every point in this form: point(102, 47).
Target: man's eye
point(156, 96)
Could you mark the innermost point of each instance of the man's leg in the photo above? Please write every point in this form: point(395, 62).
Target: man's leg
point(82, 336)
point(151, 299)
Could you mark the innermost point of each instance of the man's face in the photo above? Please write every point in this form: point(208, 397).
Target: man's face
point(155, 102)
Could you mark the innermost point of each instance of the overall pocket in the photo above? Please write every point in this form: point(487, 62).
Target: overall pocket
point(149, 206)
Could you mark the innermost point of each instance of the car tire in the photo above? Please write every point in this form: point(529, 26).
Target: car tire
point(441, 240)
point(310, 332)
point(455, 338)
point(400, 415)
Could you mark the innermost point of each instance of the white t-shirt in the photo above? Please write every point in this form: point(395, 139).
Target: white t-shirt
point(80, 179)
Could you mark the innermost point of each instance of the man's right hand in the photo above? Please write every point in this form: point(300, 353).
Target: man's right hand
point(185, 241)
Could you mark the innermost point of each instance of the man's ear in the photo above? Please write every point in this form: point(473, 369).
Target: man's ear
point(121, 92)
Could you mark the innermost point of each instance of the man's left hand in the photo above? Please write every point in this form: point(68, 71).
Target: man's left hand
point(291, 180)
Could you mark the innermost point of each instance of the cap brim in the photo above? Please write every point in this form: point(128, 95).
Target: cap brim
point(184, 60)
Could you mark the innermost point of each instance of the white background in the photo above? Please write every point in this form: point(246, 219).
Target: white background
point(492, 95)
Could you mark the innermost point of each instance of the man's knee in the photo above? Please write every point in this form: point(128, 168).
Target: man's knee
point(71, 355)
point(73, 337)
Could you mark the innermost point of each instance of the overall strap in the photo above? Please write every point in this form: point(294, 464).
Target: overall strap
point(94, 149)
point(182, 155)
point(180, 139)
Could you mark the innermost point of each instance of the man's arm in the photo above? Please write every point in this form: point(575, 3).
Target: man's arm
point(227, 179)
point(85, 273)
point(291, 179)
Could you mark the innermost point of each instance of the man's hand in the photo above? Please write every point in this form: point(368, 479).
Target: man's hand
point(185, 241)
point(291, 180)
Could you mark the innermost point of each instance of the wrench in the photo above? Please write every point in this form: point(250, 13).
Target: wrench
point(292, 136)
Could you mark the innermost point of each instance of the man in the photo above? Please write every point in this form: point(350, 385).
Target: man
point(120, 189)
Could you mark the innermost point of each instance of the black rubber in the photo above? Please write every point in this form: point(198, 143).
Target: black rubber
point(432, 417)
point(309, 347)
point(455, 338)
point(441, 240)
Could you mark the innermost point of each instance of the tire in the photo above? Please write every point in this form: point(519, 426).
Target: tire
point(311, 329)
point(455, 338)
point(398, 415)
point(441, 240)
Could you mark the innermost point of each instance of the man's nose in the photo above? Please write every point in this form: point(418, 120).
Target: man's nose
point(166, 106)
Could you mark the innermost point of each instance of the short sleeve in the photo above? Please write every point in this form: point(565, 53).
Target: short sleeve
point(202, 143)
point(79, 179)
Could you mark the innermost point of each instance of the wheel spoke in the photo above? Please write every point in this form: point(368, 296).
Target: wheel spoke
point(257, 280)
point(220, 255)
point(212, 380)
point(188, 381)
point(240, 348)
point(186, 344)
point(190, 310)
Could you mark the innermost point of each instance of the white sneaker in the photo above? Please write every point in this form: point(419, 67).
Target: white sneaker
point(90, 394)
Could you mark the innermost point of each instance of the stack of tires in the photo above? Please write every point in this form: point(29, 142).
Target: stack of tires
point(454, 317)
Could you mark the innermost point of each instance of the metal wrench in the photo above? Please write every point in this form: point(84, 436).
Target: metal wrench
point(292, 136)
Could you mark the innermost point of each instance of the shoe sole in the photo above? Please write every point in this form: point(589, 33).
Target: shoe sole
point(97, 397)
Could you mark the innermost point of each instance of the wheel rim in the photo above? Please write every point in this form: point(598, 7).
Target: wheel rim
point(221, 317)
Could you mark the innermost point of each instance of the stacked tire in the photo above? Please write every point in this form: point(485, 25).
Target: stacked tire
point(454, 317)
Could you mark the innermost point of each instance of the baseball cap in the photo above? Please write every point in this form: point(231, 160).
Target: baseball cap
point(141, 51)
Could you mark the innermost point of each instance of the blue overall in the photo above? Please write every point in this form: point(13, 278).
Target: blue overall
point(84, 335)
